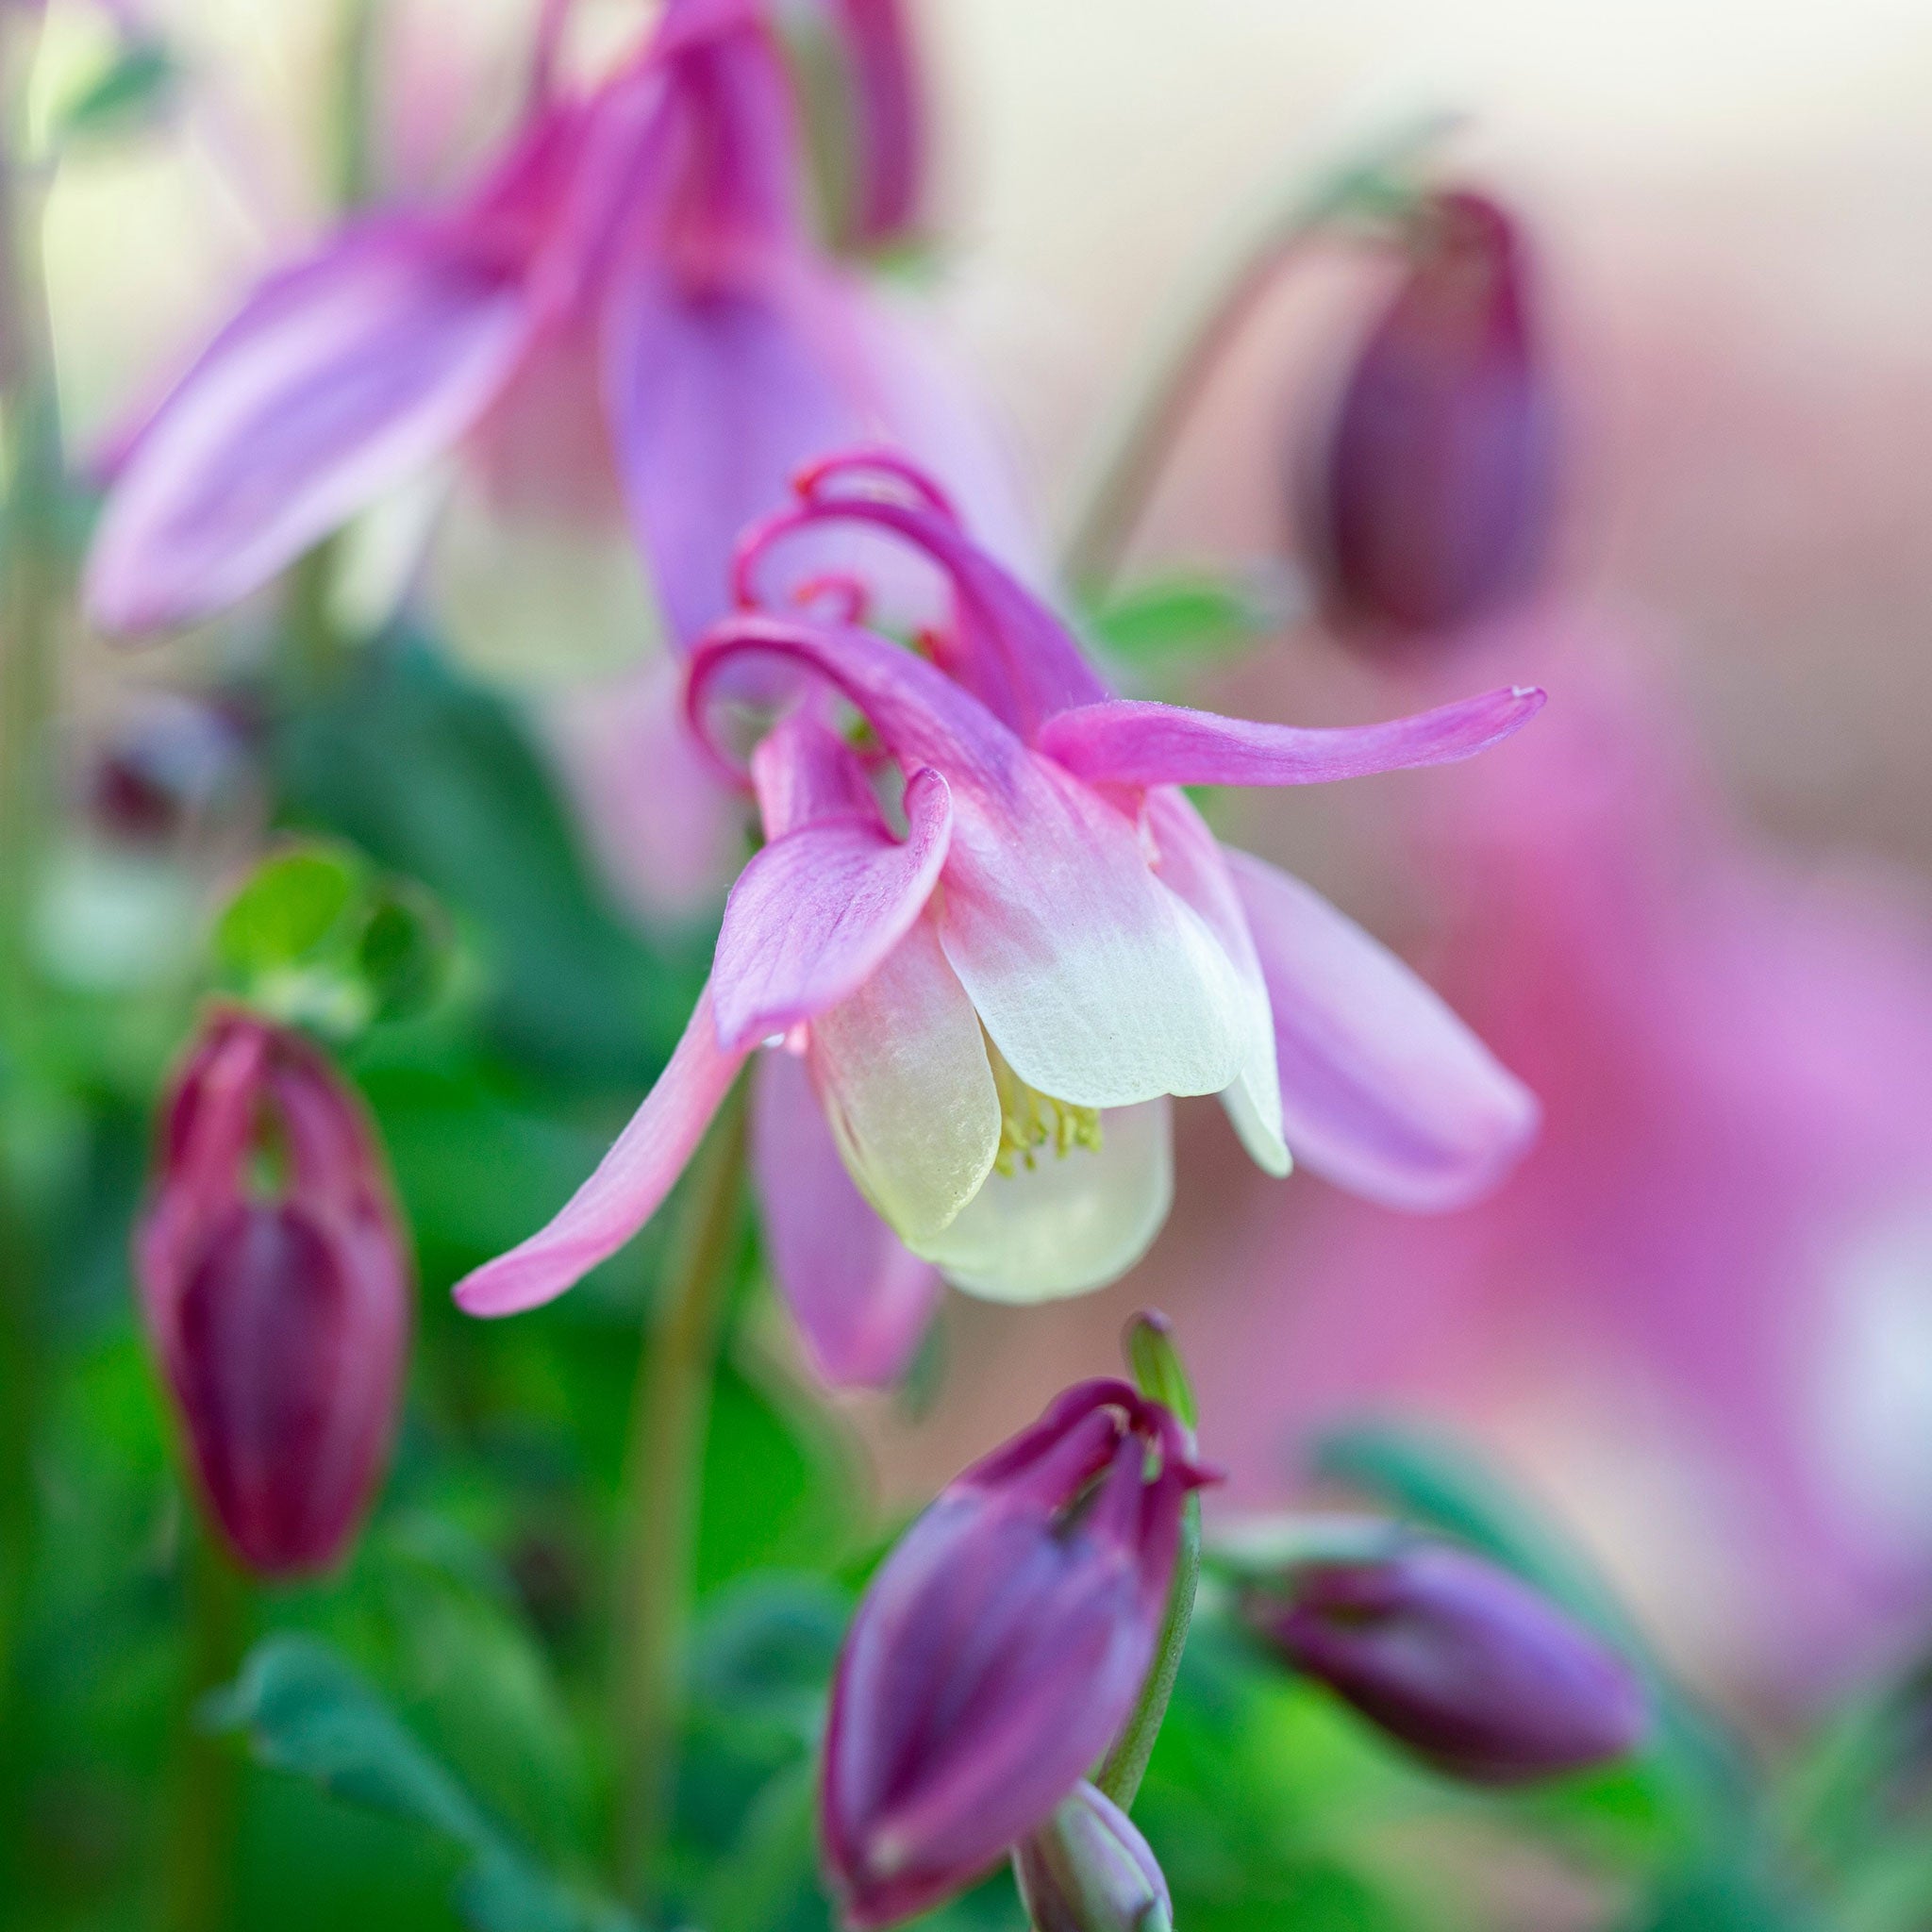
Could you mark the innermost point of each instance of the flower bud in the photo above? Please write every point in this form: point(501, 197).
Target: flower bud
point(276, 1285)
point(1087, 1870)
point(1463, 1662)
point(1000, 1649)
point(1430, 504)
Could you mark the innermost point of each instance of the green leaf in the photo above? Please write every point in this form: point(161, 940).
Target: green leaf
point(132, 92)
point(307, 1713)
point(317, 937)
point(1159, 1370)
point(1190, 615)
point(294, 905)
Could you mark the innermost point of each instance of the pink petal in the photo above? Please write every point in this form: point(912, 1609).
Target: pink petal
point(1122, 741)
point(803, 770)
point(337, 378)
point(629, 1184)
point(1003, 646)
point(889, 132)
point(1099, 984)
point(815, 912)
point(716, 396)
point(1191, 864)
point(1384, 1090)
point(861, 1300)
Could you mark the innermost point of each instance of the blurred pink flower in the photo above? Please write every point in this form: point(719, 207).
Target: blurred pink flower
point(1055, 945)
point(1735, 1062)
point(647, 245)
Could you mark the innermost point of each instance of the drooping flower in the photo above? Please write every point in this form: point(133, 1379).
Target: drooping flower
point(995, 1008)
point(1000, 1649)
point(1089, 1869)
point(1469, 1667)
point(279, 1305)
point(1429, 503)
point(632, 291)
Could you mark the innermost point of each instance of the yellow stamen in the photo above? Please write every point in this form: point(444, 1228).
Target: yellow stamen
point(1029, 1119)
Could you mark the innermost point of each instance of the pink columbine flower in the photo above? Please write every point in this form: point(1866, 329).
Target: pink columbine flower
point(1000, 1649)
point(993, 1009)
point(632, 288)
point(1430, 502)
point(280, 1309)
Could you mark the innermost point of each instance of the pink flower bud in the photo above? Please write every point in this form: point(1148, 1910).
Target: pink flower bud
point(1089, 1869)
point(279, 1304)
point(1467, 1665)
point(1430, 504)
point(1000, 1649)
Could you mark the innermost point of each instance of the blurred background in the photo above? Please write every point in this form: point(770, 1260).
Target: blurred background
point(1690, 908)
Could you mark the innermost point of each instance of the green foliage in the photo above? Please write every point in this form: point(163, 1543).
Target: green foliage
point(315, 935)
point(306, 1712)
point(136, 89)
point(1171, 622)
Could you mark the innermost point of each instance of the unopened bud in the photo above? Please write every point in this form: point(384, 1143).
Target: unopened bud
point(1430, 504)
point(278, 1302)
point(1000, 1649)
point(1089, 1869)
point(1462, 1661)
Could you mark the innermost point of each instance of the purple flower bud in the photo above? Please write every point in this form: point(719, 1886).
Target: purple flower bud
point(1464, 1664)
point(1430, 504)
point(279, 1303)
point(1087, 1870)
point(1000, 1649)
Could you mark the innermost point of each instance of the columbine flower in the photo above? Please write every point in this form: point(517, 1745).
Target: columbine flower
point(1430, 504)
point(279, 1307)
point(1089, 1869)
point(632, 290)
point(1467, 1665)
point(1000, 1649)
point(994, 1008)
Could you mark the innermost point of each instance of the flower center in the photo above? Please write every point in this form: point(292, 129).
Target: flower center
point(1030, 1120)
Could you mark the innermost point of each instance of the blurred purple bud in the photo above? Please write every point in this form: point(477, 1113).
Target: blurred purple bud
point(1087, 1870)
point(1429, 504)
point(280, 1309)
point(1000, 1649)
point(1462, 1661)
point(173, 769)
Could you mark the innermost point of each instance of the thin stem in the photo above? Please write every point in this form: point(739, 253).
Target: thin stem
point(1126, 1764)
point(352, 161)
point(1188, 351)
point(196, 1868)
point(664, 1475)
point(33, 584)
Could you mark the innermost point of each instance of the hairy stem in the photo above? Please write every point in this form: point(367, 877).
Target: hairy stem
point(663, 1473)
point(1196, 336)
point(1126, 1764)
point(195, 1870)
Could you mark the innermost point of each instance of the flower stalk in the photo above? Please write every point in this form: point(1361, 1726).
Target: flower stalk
point(1211, 316)
point(663, 1473)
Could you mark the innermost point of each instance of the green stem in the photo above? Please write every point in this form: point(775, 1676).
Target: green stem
point(663, 1476)
point(1126, 1764)
point(1196, 336)
point(352, 169)
point(33, 587)
point(196, 1871)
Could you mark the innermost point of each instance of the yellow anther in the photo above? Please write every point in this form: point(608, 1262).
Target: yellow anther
point(1029, 1119)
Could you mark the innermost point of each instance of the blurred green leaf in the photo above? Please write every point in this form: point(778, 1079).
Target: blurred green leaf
point(134, 91)
point(317, 937)
point(1192, 615)
point(307, 1713)
point(437, 779)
